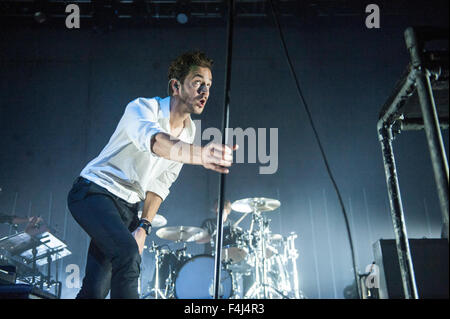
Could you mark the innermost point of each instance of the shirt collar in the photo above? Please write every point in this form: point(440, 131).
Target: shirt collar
point(165, 109)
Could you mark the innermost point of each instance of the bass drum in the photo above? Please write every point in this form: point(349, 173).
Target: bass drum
point(195, 280)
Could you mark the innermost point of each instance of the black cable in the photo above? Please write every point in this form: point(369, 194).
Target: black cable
point(338, 193)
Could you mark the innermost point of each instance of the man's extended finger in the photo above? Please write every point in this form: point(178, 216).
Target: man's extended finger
point(222, 149)
point(222, 155)
point(221, 162)
point(227, 158)
point(220, 169)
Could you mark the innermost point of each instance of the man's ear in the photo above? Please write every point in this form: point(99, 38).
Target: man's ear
point(173, 87)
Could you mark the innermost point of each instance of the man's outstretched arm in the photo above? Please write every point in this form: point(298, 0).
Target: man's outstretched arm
point(216, 157)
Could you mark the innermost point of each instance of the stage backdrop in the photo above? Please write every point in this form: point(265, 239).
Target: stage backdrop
point(62, 92)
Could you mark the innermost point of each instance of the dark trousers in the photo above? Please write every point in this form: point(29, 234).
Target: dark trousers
point(113, 261)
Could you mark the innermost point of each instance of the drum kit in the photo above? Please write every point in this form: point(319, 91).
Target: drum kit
point(256, 263)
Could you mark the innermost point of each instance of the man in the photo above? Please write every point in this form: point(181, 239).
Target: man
point(210, 226)
point(140, 162)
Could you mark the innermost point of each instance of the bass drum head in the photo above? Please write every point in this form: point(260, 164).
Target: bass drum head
point(195, 280)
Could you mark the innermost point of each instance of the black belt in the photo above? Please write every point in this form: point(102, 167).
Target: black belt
point(85, 181)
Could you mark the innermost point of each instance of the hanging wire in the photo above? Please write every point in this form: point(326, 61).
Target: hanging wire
point(319, 143)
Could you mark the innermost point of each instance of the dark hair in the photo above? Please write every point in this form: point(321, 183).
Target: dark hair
point(182, 65)
point(216, 202)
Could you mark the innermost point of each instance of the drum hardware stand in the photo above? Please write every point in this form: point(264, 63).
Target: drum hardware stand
point(260, 287)
point(47, 280)
point(236, 287)
point(167, 291)
point(156, 290)
point(34, 252)
point(182, 251)
point(169, 286)
point(292, 254)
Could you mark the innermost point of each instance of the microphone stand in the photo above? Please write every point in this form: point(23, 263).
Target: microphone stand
point(226, 114)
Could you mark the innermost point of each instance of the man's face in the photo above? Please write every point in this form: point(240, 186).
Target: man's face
point(194, 91)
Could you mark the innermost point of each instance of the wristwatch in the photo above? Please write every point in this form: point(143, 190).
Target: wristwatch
point(146, 225)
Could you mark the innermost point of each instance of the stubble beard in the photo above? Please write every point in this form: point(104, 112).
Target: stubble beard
point(190, 108)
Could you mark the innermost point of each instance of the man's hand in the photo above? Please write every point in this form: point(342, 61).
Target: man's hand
point(140, 236)
point(218, 157)
point(22, 220)
point(35, 226)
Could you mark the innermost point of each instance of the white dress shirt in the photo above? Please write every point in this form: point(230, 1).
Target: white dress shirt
point(127, 167)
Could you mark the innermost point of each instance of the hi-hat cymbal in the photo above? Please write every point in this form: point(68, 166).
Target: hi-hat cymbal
point(255, 204)
point(159, 221)
point(182, 233)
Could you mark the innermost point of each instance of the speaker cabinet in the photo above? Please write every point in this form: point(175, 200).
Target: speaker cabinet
point(430, 262)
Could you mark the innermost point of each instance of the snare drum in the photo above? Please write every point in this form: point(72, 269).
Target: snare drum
point(195, 280)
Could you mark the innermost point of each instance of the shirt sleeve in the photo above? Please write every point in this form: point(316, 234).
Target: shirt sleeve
point(141, 123)
point(161, 185)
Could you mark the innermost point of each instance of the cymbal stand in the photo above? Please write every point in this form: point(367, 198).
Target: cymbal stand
point(158, 293)
point(237, 290)
point(180, 253)
point(260, 288)
point(292, 254)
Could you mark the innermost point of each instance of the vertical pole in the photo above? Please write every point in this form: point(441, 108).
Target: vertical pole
point(293, 253)
point(388, 210)
point(398, 219)
point(369, 226)
point(29, 210)
point(226, 115)
point(316, 263)
point(50, 204)
point(66, 213)
point(333, 276)
point(353, 229)
point(13, 212)
point(427, 216)
point(280, 221)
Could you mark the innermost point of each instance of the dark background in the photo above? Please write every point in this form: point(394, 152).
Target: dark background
point(62, 93)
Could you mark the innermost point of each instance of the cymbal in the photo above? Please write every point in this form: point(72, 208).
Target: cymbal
point(159, 221)
point(182, 233)
point(258, 204)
